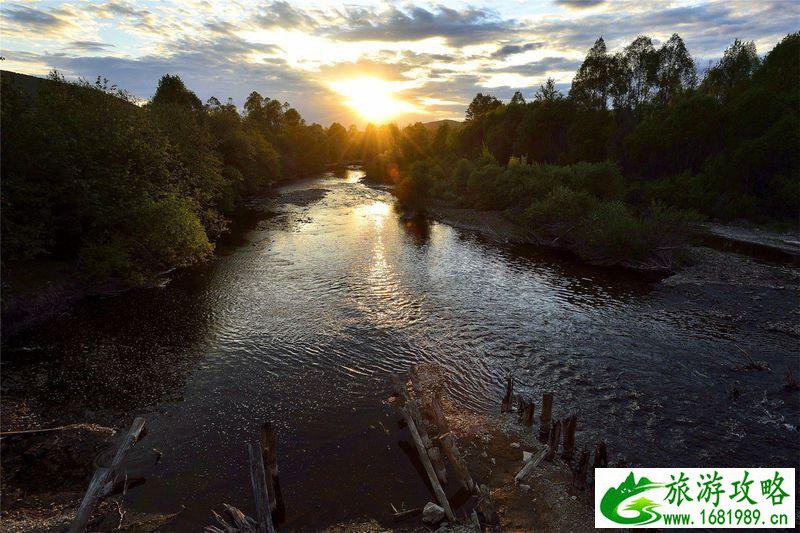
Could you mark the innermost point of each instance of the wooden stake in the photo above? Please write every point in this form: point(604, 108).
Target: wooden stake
point(530, 411)
point(569, 437)
point(258, 482)
point(104, 478)
point(579, 477)
point(449, 445)
point(600, 455)
point(532, 463)
point(507, 399)
point(555, 437)
point(269, 455)
point(544, 417)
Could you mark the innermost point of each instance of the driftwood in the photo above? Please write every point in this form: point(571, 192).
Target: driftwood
point(505, 407)
point(532, 463)
point(555, 437)
point(409, 409)
point(258, 481)
point(104, 479)
point(240, 523)
point(569, 426)
point(545, 416)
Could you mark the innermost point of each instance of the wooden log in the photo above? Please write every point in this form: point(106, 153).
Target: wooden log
point(269, 455)
point(579, 477)
point(258, 483)
point(505, 407)
point(569, 437)
point(399, 516)
point(545, 416)
point(449, 444)
point(104, 478)
point(426, 462)
point(600, 455)
point(431, 450)
point(555, 437)
point(532, 463)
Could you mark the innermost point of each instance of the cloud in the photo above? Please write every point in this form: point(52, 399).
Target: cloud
point(89, 46)
point(542, 66)
point(282, 14)
point(413, 23)
point(23, 19)
point(579, 4)
point(512, 49)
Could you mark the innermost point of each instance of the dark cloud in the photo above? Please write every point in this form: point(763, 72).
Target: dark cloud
point(579, 4)
point(413, 23)
point(511, 49)
point(89, 46)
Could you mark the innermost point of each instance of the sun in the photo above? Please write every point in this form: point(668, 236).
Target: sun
point(373, 98)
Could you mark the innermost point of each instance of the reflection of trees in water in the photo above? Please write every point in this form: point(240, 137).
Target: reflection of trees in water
point(121, 353)
point(416, 225)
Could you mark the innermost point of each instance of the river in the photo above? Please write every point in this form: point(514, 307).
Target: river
point(303, 315)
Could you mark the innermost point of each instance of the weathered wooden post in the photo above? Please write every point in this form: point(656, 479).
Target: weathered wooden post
point(530, 411)
point(544, 417)
point(569, 437)
point(555, 437)
point(600, 455)
point(269, 454)
point(261, 496)
point(580, 473)
point(507, 399)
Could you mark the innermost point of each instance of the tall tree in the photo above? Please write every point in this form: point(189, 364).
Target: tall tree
point(517, 99)
point(481, 104)
point(592, 82)
point(676, 72)
point(548, 92)
point(738, 64)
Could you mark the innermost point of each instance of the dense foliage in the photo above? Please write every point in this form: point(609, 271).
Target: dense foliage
point(124, 191)
point(603, 169)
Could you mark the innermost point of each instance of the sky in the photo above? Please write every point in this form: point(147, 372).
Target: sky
point(352, 62)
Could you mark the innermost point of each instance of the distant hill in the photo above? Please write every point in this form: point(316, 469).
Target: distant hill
point(436, 124)
point(29, 85)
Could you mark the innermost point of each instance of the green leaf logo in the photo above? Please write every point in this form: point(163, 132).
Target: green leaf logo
point(614, 498)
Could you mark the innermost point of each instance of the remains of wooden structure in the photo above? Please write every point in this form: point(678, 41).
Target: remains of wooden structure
point(555, 434)
point(263, 461)
point(104, 479)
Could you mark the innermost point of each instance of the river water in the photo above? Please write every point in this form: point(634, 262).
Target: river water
point(303, 316)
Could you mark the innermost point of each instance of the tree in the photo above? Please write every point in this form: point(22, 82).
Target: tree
point(481, 104)
point(517, 99)
point(171, 90)
point(592, 82)
point(676, 72)
point(548, 92)
point(738, 64)
point(634, 74)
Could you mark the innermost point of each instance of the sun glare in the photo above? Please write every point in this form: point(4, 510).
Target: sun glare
point(372, 98)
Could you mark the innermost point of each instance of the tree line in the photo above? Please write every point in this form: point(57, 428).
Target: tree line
point(637, 138)
point(119, 190)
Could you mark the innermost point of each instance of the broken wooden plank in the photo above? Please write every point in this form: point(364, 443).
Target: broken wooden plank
point(258, 482)
point(434, 409)
point(431, 450)
point(399, 516)
point(426, 462)
point(545, 416)
point(104, 478)
point(532, 463)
